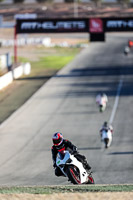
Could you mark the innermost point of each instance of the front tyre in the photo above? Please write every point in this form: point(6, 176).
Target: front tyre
point(73, 174)
point(90, 179)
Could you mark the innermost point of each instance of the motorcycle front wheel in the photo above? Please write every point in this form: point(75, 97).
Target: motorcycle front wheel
point(73, 174)
point(90, 179)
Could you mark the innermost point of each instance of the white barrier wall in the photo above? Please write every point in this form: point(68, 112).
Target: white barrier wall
point(3, 62)
point(27, 68)
point(8, 78)
point(17, 72)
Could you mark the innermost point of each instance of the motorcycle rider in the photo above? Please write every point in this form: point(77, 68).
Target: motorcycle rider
point(106, 127)
point(101, 99)
point(61, 144)
point(126, 50)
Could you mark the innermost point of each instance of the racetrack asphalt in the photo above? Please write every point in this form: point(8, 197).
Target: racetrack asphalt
point(66, 103)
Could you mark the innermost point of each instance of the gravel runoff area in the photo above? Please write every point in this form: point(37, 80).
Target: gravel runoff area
point(67, 196)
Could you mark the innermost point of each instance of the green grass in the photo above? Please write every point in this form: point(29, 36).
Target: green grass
point(22, 59)
point(62, 189)
point(53, 59)
point(53, 62)
point(56, 60)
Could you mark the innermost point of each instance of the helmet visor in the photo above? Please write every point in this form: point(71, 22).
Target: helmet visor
point(57, 141)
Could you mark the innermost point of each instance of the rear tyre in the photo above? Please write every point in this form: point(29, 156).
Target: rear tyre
point(73, 174)
point(101, 108)
point(106, 140)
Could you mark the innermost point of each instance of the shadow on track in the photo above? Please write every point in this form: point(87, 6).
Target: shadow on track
point(89, 148)
point(121, 153)
point(100, 71)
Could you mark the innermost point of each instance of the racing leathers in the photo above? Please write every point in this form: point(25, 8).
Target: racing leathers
point(106, 131)
point(67, 145)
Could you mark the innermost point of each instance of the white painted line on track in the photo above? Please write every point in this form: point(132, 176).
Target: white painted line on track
point(116, 101)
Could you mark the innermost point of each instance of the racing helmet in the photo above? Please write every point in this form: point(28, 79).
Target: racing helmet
point(105, 124)
point(57, 139)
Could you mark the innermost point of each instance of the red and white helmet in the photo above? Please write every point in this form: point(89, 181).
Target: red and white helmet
point(57, 139)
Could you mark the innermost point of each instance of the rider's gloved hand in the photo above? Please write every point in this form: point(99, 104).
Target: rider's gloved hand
point(74, 152)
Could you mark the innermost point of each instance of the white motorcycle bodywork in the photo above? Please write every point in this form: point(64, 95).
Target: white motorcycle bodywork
point(102, 102)
point(69, 159)
point(107, 134)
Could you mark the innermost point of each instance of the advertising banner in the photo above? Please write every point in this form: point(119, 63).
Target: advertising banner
point(51, 25)
point(92, 25)
point(118, 24)
point(95, 25)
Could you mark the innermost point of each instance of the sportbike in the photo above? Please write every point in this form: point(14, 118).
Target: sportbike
point(73, 169)
point(107, 138)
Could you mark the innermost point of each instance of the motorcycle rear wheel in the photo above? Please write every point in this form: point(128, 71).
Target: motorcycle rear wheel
point(101, 108)
point(73, 174)
point(106, 141)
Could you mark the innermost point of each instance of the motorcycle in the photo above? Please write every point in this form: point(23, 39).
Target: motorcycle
point(107, 138)
point(102, 107)
point(73, 169)
point(126, 50)
point(102, 102)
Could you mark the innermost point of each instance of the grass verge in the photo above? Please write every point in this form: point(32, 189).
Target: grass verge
point(66, 189)
point(49, 58)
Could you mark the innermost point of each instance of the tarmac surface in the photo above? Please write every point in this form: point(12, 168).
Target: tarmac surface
point(66, 103)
